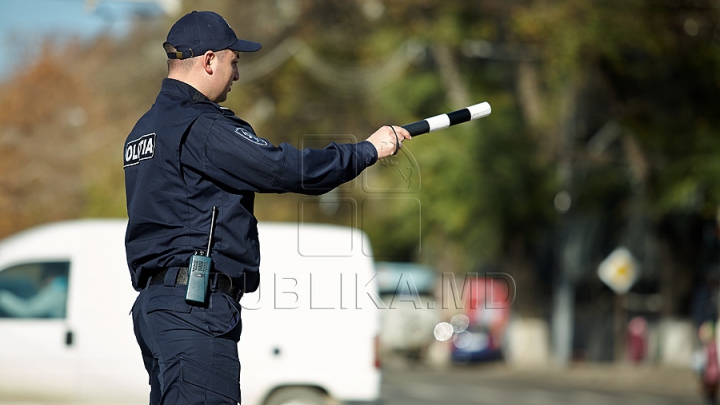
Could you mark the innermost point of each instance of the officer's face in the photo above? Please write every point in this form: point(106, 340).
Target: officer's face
point(227, 73)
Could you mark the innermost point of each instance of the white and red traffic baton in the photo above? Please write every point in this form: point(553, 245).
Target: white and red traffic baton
point(443, 121)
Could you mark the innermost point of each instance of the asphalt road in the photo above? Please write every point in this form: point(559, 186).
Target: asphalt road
point(499, 385)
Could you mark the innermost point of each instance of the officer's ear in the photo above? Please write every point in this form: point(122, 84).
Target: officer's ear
point(208, 60)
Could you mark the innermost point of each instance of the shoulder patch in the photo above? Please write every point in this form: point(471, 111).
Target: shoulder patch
point(140, 149)
point(250, 136)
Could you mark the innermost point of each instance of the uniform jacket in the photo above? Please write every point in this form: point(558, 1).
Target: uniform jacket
point(188, 154)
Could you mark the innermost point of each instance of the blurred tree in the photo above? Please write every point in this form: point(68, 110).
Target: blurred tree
point(623, 95)
point(43, 113)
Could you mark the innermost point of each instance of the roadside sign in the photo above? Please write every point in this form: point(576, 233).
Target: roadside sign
point(619, 270)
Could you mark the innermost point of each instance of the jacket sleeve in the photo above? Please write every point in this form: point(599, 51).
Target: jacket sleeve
point(242, 160)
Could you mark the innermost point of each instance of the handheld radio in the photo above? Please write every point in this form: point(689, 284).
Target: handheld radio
point(199, 269)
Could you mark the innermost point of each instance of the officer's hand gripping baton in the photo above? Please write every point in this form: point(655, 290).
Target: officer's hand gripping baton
point(443, 121)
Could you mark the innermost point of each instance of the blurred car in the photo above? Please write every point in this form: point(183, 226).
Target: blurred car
point(67, 337)
point(479, 331)
point(475, 344)
point(408, 311)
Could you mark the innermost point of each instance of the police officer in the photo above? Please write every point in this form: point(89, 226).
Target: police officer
point(183, 157)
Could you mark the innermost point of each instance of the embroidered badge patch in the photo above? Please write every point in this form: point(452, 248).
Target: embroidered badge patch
point(140, 149)
point(250, 137)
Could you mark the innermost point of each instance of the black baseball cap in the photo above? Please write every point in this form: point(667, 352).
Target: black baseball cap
point(201, 31)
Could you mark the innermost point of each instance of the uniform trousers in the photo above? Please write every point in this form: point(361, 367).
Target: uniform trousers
point(189, 351)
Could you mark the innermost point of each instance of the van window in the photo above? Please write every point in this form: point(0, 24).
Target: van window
point(34, 290)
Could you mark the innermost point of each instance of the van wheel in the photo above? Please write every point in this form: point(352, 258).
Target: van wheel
point(298, 396)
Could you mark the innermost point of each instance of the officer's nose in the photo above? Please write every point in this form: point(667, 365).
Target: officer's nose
point(236, 74)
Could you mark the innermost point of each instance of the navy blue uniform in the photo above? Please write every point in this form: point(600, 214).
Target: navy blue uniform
point(184, 156)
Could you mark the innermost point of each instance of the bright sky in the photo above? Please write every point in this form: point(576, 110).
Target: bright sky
point(33, 20)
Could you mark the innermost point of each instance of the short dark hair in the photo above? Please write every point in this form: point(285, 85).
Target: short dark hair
point(175, 64)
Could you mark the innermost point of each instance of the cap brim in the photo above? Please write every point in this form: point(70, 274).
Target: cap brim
point(245, 46)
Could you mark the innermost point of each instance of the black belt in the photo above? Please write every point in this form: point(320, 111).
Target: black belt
point(218, 282)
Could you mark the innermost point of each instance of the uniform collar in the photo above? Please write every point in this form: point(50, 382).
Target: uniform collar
point(187, 91)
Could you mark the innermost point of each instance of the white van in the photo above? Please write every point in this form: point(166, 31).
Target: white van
point(309, 334)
